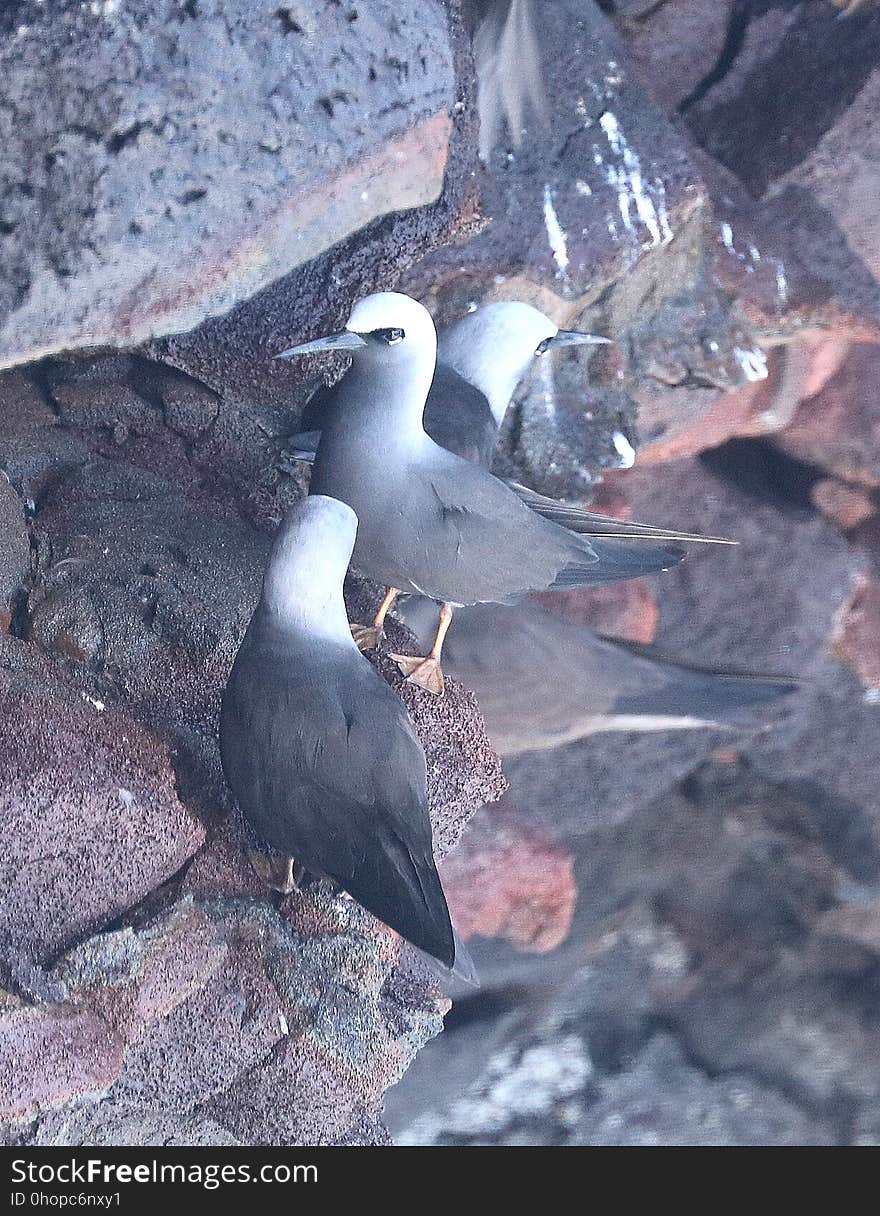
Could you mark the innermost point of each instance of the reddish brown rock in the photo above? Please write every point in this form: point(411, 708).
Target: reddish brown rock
point(50, 1055)
point(857, 635)
point(847, 505)
point(622, 610)
point(507, 879)
point(840, 171)
point(838, 428)
point(91, 822)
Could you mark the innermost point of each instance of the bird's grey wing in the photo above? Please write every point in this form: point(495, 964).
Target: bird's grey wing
point(542, 681)
point(303, 445)
point(336, 777)
point(509, 70)
point(538, 678)
point(588, 523)
point(483, 543)
point(458, 417)
point(651, 684)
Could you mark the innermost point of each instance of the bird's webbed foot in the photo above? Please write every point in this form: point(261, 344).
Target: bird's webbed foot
point(366, 637)
point(426, 672)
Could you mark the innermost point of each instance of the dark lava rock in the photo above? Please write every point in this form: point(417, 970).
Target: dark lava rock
point(91, 822)
point(192, 1006)
point(198, 152)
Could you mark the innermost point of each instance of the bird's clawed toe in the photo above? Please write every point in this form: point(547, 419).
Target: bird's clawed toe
point(427, 673)
point(280, 873)
point(366, 637)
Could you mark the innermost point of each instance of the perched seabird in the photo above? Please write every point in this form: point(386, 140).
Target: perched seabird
point(318, 750)
point(430, 522)
point(542, 681)
point(480, 361)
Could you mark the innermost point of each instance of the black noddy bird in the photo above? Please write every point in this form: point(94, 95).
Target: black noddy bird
point(318, 750)
point(431, 522)
point(571, 682)
point(480, 360)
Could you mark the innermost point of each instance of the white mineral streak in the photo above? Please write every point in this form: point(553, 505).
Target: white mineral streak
point(555, 232)
point(781, 282)
point(624, 449)
point(752, 362)
point(636, 200)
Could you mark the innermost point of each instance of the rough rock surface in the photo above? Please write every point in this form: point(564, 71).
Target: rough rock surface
point(508, 880)
point(244, 139)
point(611, 218)
point(157, 991)
point(716, 984)
point(714, 210)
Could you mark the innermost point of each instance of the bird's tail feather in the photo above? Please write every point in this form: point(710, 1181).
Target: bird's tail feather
point(463, 969)
point(617, 562)
point(588, 523)
point(706, 694)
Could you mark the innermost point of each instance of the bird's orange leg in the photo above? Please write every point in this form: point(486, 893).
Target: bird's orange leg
point(427, 672)
point(368, 637)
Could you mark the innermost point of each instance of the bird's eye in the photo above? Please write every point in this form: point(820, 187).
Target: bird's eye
point(543, 347)
point(389, 336)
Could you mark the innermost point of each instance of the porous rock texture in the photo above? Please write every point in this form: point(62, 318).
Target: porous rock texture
point(199, 151)
point(157, 992)
point(677, 934)
point(718, 983)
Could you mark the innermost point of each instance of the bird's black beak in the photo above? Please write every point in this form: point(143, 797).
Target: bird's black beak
point(570, 337)
point(345, 340)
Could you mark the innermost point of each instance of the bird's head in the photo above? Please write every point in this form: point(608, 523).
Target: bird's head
point(308, 560)
point(387, 327)
point(494, 346)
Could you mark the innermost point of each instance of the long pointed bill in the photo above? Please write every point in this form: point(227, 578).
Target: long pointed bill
point(343, 341)
point(570, 337)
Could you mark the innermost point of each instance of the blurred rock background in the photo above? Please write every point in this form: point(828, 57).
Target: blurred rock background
point(678, 934)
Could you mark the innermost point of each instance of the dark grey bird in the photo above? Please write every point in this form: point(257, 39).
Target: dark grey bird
point(318, 750)
point(480, 361)
point(431, 522)
point(542, 681)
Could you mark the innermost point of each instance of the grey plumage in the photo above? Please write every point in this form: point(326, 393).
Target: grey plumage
point(318, 750)
point(542, 681)
point(431, 522)
point(507, 56)
point(480, 360)
point(457, 416)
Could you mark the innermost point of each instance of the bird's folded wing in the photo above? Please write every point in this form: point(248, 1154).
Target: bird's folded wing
point(588, 523)
point(485, 538)
point(383, 853)
point(349, 736)
point(341, 768)
point(459, 418)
